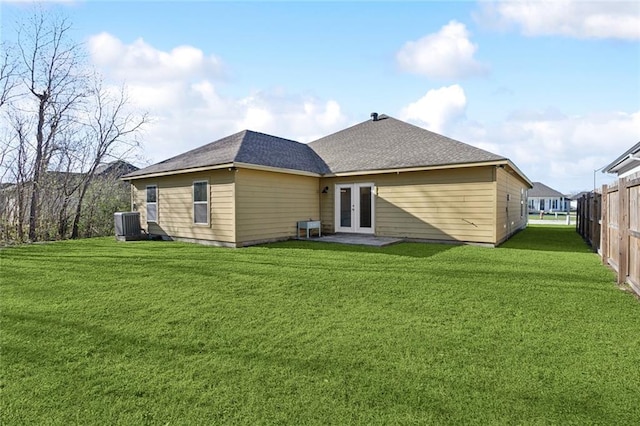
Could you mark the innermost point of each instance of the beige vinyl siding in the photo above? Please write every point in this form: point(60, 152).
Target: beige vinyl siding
point(456, 204)
point(139, 202)
point(508, 218)
point(268, 204)
point(175, 206)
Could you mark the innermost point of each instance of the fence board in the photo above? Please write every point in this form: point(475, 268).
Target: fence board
point(619, 231)
point(588, 219)
point(604, 239)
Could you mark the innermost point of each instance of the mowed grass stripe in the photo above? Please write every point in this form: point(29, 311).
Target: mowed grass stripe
point(533, 332)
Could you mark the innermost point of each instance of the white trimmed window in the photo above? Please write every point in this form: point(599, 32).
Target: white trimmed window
point(201, 202)
point(152, 203)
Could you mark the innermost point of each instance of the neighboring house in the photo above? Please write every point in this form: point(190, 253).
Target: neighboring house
point(115, 169)
point(573, 204)
point(383, 177)
point(543, 198)
point(627, 164)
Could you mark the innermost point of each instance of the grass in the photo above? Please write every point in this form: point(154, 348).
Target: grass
point(534, 332)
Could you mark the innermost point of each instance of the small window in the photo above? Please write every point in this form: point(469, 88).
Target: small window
point(152, 203)
point(201, 203)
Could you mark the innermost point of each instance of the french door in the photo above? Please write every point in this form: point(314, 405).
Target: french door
point(355, 208)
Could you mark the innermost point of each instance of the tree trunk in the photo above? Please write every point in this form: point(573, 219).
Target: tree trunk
point(63, 220)
point(76, 217)
point(37, 171)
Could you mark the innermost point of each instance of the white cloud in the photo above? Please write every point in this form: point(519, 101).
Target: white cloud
point(438, 109)
point(557, 149)
point(572, 18)
point(549, 146)
point(446, 54)
point(140, 61)
point(179, 89)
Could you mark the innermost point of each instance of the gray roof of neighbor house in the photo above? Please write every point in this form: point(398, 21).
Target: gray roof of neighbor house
point(578, 195)
point(541, 190)
point(115, 168)
point(388, 143)
point(625, 161)
point(244, 147)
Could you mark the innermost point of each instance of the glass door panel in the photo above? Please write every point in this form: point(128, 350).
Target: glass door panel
point(345, 207)
point(354, 208)
point(365, 206)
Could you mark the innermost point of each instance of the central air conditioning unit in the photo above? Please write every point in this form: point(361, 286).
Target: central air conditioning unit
point(127, 226)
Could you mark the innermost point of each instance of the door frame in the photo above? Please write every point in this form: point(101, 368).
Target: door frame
point(355, 208)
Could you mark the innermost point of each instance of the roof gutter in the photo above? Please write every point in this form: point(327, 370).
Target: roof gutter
point(438, 167)
point(630, 154)
point(223, 166)
point(276, 169)
point(176, 172)
point(505, 162)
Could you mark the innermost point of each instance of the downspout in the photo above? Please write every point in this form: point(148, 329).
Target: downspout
point(131, 197)
point(319, 204)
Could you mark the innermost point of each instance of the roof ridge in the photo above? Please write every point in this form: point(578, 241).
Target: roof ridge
point(539, 189)
point(204, 147)
point(272, 136)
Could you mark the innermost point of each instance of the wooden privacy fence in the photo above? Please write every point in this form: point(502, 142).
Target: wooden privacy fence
point(620, 237)
point(588, 219)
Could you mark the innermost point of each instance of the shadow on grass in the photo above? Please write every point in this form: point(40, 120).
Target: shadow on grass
point(408, 249)
point(538, 237)
point(547, 238)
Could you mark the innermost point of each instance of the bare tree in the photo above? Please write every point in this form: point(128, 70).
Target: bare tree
point(61, 124)
point(17, 167)
point(111, 134)
point(8, 74)
point(54, 78)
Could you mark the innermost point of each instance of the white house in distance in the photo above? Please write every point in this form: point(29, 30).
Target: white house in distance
point(543, 198)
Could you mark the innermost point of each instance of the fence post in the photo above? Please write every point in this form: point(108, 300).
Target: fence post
point(604, 230)
point(623, 231)
point(597, 234)
point(592, 220)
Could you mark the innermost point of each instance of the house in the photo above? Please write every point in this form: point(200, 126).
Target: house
point(383, 177)
point(626, 164)
point(573, 203)
point(545, 199)
point(115, 169)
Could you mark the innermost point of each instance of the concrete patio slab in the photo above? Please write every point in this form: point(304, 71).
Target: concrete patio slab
point(357, 239)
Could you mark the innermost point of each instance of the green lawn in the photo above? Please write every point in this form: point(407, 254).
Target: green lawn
point(534, 332)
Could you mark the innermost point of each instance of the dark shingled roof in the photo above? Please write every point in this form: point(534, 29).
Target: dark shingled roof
point(383, 144)
point(541, 190)
point(244, 147)
point(389, 143)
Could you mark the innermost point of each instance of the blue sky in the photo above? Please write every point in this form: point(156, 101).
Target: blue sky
point(553, 86)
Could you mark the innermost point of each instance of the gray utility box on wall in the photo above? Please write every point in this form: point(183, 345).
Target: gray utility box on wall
point(127, 226)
